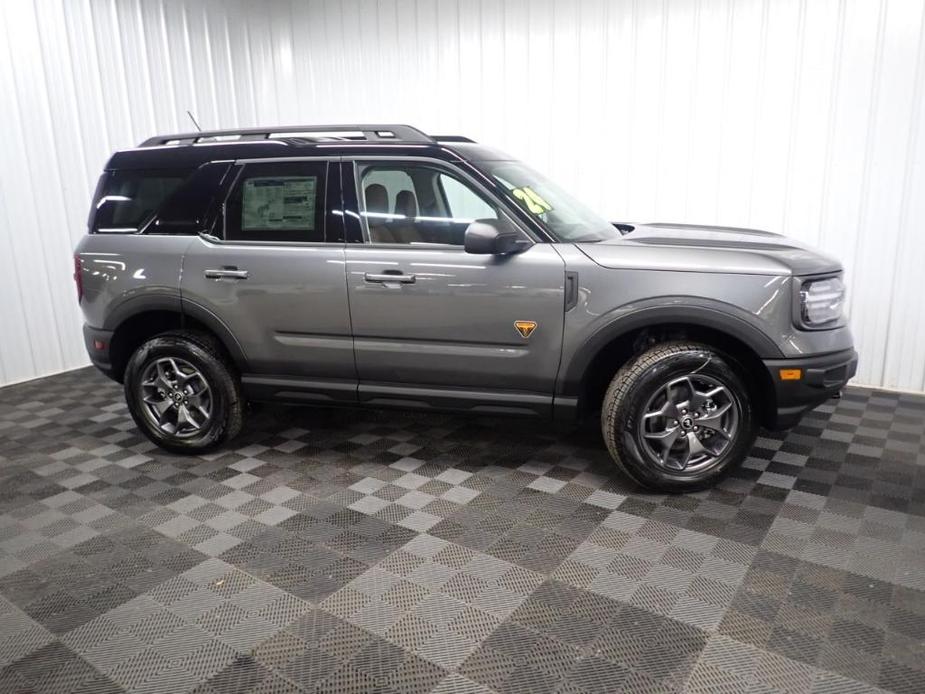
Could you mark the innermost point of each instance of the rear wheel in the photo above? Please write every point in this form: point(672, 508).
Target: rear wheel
point(678, 417)
point(182, 393)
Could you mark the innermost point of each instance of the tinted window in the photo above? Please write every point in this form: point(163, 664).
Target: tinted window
point(128, 199)
point(187, 209)
point(419, 204)
point(277, 202)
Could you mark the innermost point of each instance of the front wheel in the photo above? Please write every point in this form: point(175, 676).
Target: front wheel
point(678, 417)
point(182, 394)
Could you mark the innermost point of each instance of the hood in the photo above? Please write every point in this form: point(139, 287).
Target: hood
point(692, 248)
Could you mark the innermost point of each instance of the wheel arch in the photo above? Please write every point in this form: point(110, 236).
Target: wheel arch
point(592, 368)
point(133, 324)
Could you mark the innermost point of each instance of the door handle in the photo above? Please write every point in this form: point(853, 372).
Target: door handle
point(231, 273)
point(386, 277)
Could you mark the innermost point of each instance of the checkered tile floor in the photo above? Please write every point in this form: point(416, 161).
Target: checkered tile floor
point(393, 552)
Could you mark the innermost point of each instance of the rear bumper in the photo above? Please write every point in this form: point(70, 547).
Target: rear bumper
point(821, 378)
point(97, 343)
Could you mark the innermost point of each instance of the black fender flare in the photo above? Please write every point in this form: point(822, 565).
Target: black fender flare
point(174, 303)
point(670, 310)
point(203, 315)
point(141, 303)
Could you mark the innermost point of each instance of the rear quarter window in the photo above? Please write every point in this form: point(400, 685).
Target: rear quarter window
point(127, 200)
point(189, 207)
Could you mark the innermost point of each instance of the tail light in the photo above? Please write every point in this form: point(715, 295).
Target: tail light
point(78, 278)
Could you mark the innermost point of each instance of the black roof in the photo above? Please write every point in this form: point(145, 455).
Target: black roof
point(192, 149)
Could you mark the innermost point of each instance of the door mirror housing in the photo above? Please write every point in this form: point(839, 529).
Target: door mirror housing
point(494, 237)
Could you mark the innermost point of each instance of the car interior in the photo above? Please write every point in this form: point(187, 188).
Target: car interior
point(410, 205)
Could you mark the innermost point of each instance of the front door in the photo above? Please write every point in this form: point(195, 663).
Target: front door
point(435, 325)
point(275, 278)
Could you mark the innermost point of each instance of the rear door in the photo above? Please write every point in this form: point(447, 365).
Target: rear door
point(274, 276)
point(433, 324)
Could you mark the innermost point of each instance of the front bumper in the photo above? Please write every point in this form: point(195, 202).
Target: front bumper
point(97, 343)
point(821, 378)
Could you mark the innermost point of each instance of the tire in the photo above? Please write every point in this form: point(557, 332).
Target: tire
point(657, 382)
point(212, 416)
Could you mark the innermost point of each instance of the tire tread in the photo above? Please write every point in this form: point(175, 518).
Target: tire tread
point(620, 389)
point(234, 420)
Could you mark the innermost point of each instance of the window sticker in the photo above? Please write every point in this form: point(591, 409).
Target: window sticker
point(279, 202)
point(532, 200)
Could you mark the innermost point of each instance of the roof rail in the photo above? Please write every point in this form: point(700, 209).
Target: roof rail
point(452, 138)
point(377, 133)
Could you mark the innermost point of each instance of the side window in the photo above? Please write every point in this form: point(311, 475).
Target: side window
point(462, 202)
point(277, 202)
point(418, 204)
point(394, 181)
point(127, 199)
point(187, 209)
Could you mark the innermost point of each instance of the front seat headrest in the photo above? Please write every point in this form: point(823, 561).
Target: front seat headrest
point(377, 198)
point(406, 204)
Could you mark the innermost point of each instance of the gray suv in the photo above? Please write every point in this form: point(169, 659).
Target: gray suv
point(374, 265)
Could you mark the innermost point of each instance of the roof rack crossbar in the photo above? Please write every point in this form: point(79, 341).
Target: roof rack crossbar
point(375, 132)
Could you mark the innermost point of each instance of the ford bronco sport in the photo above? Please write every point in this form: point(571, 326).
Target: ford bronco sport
point(376, 265)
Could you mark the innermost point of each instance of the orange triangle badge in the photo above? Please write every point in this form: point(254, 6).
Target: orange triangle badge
point(525, 327)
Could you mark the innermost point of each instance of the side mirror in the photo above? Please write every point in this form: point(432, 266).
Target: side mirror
point(494, 237)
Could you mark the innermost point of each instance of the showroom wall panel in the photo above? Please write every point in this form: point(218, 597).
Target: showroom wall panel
point(800, 116)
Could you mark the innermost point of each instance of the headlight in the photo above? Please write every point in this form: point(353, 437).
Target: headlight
point(821, 301)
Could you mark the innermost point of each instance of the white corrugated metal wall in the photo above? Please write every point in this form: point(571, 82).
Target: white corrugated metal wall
point(801, 116)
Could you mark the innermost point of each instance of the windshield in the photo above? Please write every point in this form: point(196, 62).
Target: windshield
point(567, 219)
